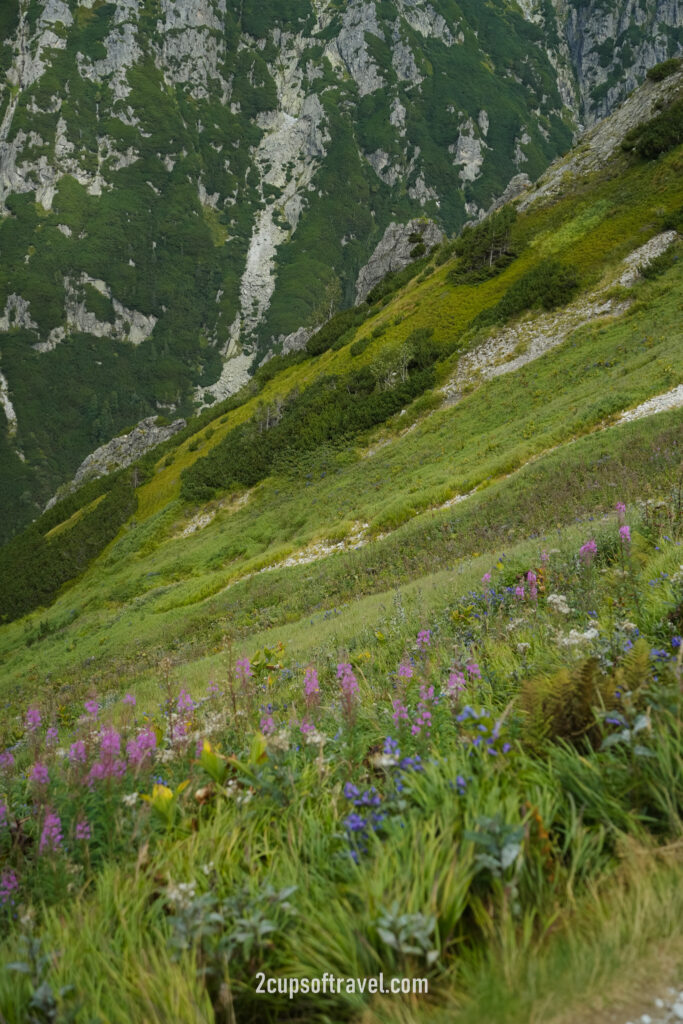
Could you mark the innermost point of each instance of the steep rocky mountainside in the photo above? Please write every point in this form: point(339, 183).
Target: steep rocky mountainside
point(186, 184)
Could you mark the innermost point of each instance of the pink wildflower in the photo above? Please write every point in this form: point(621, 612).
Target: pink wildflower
point(129, 700)
point(185, 703)
point(267, 725)
point(520, 592)
point(625, 534)
point(405, 670)
point(243, 669)
point(83, 831)
point(473, 670)
point(347, 679)
point(51, 835)
point(39, 774)
point(6, 760)
point(311, 685)
point(92, 707)
point(588, 551)
point(424, 639)
point(9, 884)
point(456, 682)
point(486, 578)
point(400, 711)
point(33, 719)
point(76, 753)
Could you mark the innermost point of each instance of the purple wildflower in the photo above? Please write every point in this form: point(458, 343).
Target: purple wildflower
point(347, 679)
point(129, 700)
point(520, 592)
point(486, 578)
point(140, 748)
point(588, 551)
point(39, 774)
point(267, 725)
point(306, 727)
point(456, 682)
point(213, 689)
point(243, 669)
point(621, 510)
point(625, 534)
point(400, 711)
point(51, 836)
point(33, 719)
point(185, 703)
point(110, 743)
point(311, 685)
point(6, 760)
point(531, 579)
point(9, 884)
point(473, 670)
point(92, 707)
point(77, 753)
point(83, 831)
point(424, 639)
point(405, 670)
point(52, 736)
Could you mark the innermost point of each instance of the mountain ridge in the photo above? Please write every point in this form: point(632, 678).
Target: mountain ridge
point(180, 210)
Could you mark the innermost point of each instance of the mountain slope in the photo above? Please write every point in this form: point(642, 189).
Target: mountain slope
point(174, 177)
point(494, 388)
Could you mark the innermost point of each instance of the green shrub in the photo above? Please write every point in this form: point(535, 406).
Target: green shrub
point(667, 67)
point(548, 285)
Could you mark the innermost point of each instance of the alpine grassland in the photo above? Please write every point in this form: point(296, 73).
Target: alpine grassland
point(376, 668)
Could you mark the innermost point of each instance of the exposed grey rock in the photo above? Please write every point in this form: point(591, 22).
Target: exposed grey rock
point(598, 144)
point(17, 315)
point(7, 407)
point(468, 151)
point(295, 342)
point(119, 452)
point(393, 253)
point(351, 48)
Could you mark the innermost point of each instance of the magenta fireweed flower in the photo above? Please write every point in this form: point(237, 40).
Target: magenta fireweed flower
point(456, 682)
point(405, 670)
point(129, 700)
point(531, 579)
point(625, 534)
point(6, 760)
point(106, 769)
point(545, 557)
point(424, 639)
point(39, 774)
point(76, 753)
point(212, 689)
point(243, 669)
point(267, 725)
point(400, 711)
point(33, 719)
point(51, 836)
point(347, 679)
point(185, 703)
point(520, 592)
point(588, 551)
point(52, 736)
point(83, 831)
point(9, 884)
point(140, 748)
point(92, 707)
point(423, 719)
point(311, 685)
point(110, 743)
point(306, 726)
point(473, 669)
point(621, 510)
point(486, 578)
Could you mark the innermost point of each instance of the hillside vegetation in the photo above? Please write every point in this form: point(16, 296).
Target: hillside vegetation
point(377, 666)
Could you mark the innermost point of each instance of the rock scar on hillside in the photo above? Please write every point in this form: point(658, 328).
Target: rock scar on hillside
point(513, 347)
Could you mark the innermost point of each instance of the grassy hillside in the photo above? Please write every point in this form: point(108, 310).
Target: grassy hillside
point(403, 692)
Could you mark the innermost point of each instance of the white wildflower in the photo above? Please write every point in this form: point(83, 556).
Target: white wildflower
point(130, 799)
point(559, 603)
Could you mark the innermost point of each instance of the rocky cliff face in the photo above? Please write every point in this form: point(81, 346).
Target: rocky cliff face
point(186, 184)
